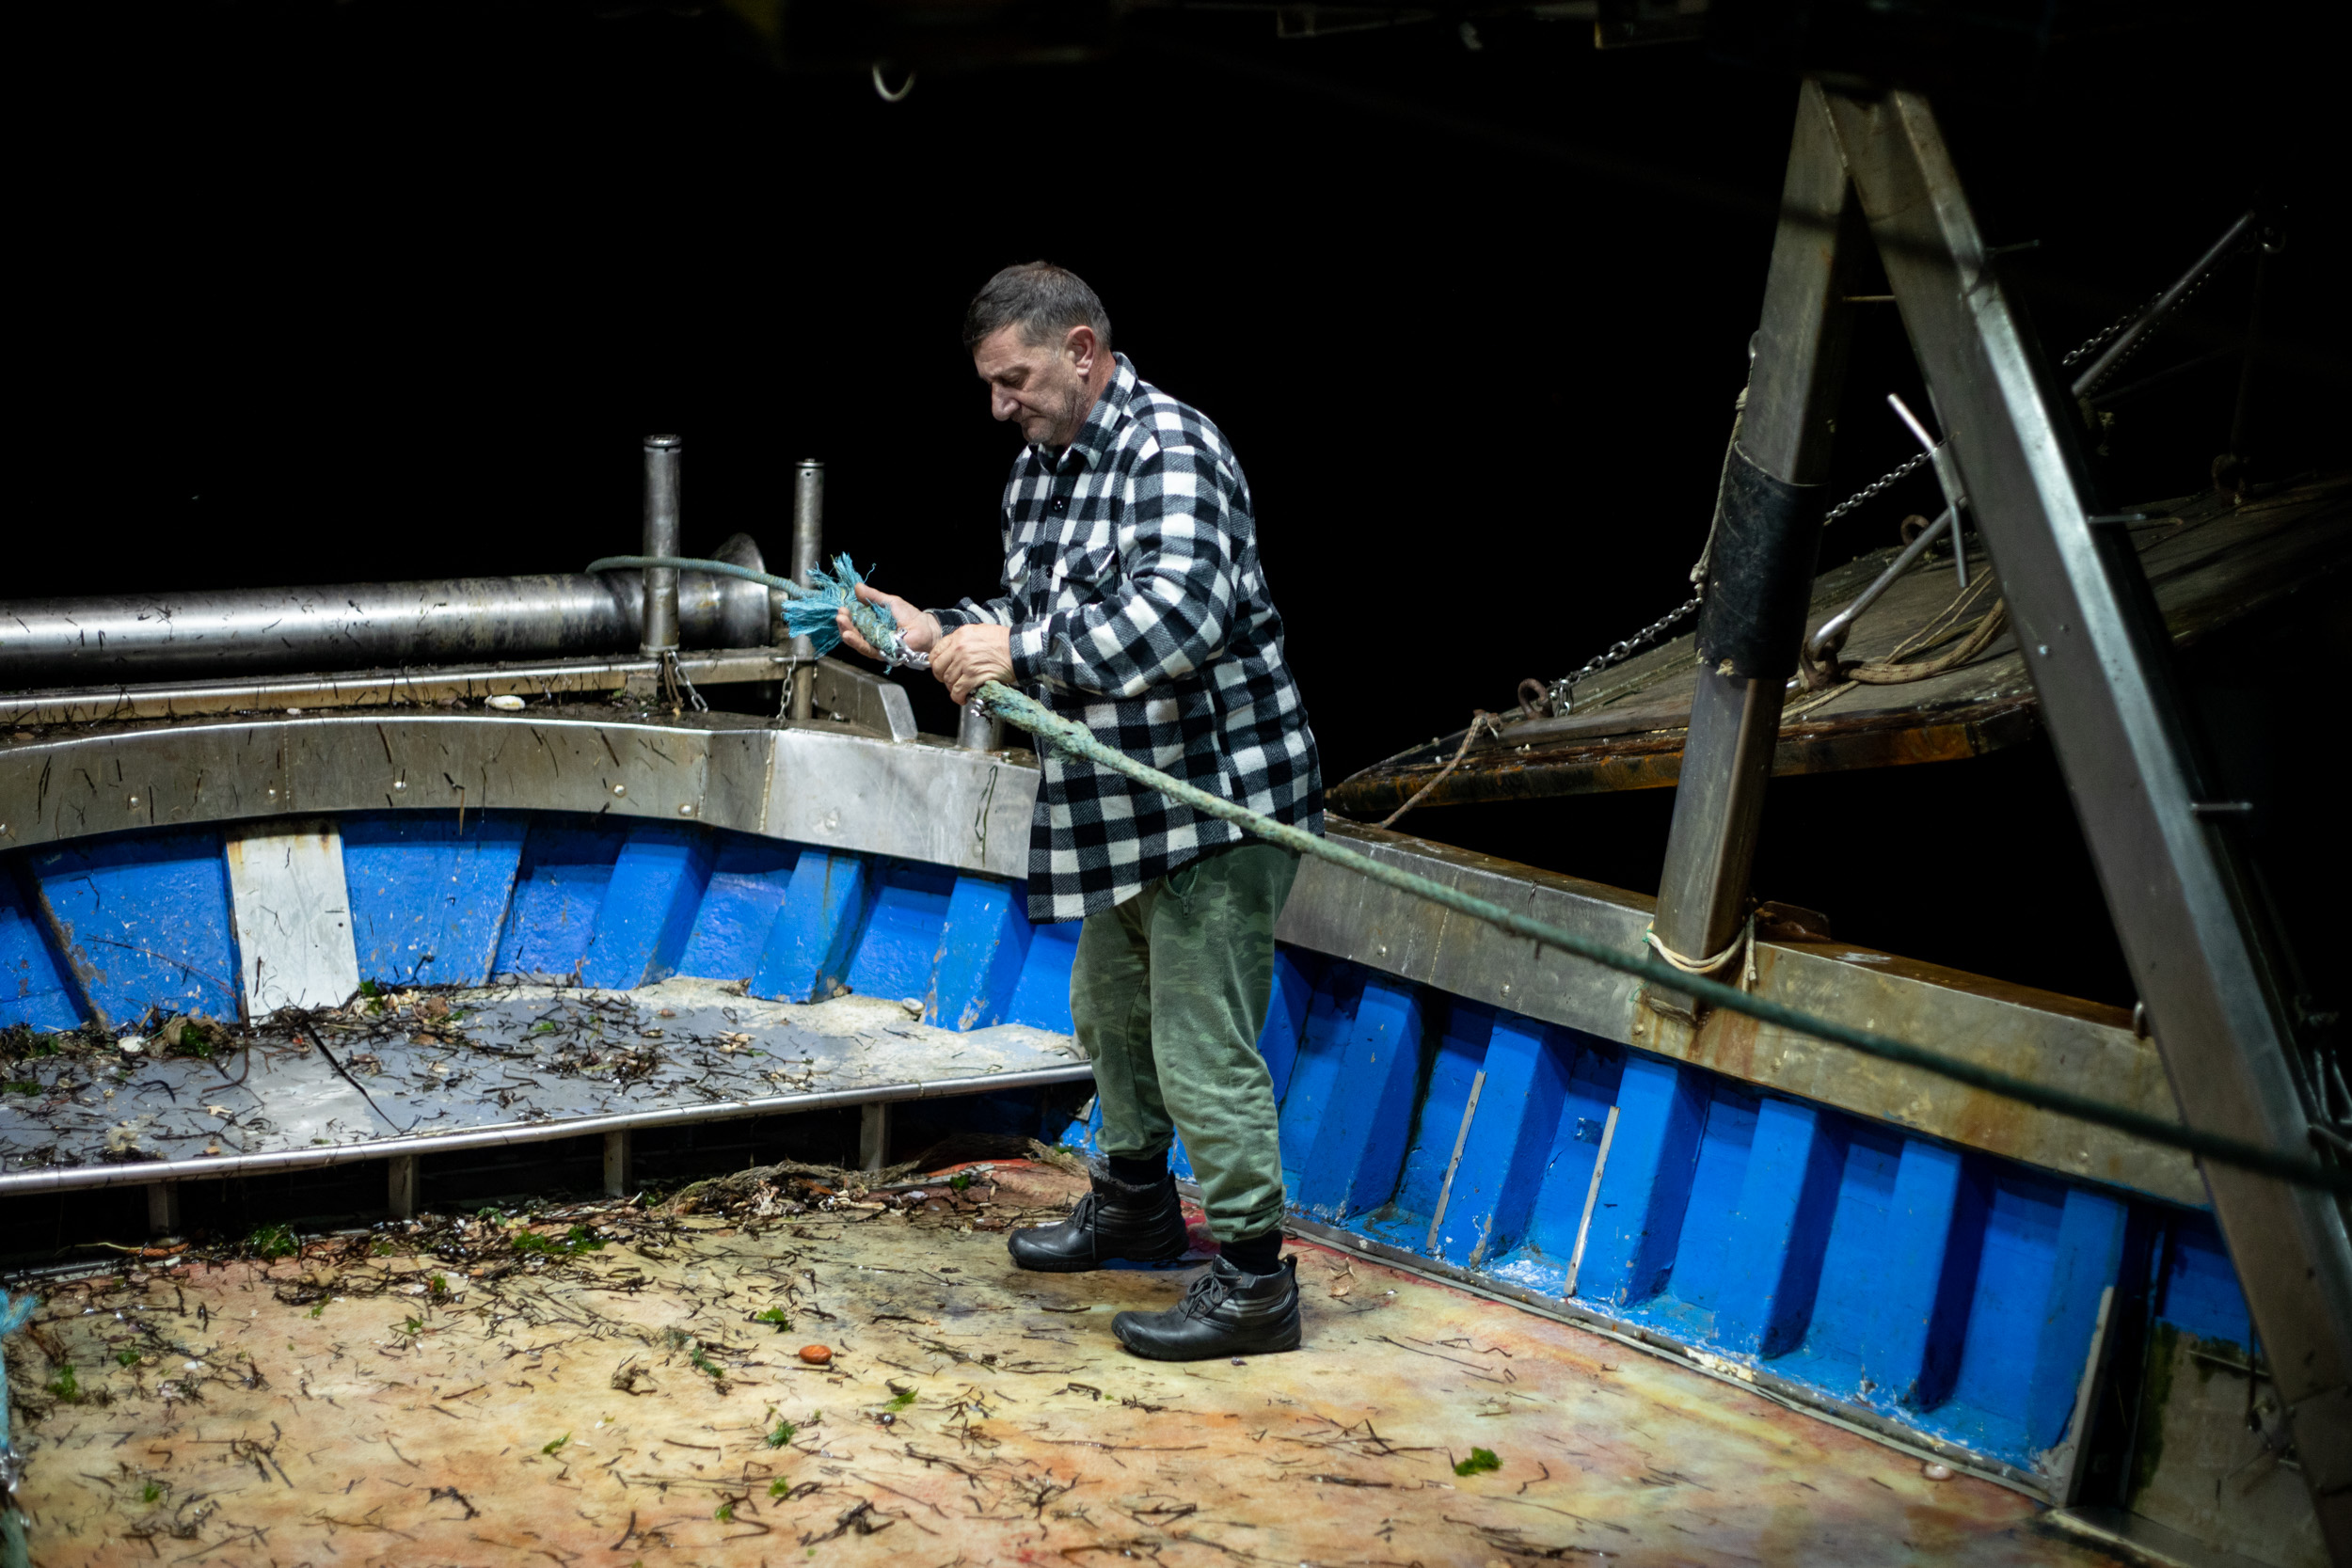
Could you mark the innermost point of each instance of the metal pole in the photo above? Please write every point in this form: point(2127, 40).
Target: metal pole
point(1760, 561)
point(979, 730)
point(2113, 354)
point(2237, 458)
point(2177, 886)
point(808, 551)
point(618, 1159)
point(399, 1186)
point(662, 454)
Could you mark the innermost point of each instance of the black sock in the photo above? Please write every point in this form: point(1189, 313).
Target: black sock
point(1147, 1170)
point(1259, 1254)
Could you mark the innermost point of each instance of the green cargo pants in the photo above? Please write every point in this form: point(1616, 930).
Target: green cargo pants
point(1168, 992)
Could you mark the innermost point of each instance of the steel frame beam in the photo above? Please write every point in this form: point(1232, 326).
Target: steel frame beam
point(1784, 429)
point(2178, 884)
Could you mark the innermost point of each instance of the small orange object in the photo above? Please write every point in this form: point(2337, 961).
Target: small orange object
point(816, 1355)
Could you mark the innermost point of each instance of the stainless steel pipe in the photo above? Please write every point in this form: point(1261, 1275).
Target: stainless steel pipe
point(660, 625)
point(979, 730)
point(131, 638)
point(808, 551)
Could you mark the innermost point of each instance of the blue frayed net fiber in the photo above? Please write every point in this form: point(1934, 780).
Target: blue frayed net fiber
point(812, 615)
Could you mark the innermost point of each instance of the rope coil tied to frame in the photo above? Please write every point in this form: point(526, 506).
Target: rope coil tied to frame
point(1745, 939)
point(1072, 739)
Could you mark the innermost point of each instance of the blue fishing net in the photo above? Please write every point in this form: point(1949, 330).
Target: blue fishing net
point(812, 615)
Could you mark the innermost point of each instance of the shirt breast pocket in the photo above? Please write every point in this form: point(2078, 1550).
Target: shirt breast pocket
point(1081, 576)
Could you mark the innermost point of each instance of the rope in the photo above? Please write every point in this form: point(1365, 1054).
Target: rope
point(1480, 720)
point(1885, 671)
point(1747, 938)
point(1076, 741)
point(687, 564)
point(1979, 636)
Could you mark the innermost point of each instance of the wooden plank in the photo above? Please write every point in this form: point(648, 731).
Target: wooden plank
point(294, 917)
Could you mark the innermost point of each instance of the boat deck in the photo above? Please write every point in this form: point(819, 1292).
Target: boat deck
point(458, 1067)
point(622, 1404)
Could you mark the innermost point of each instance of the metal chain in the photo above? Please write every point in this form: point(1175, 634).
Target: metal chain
point(1869, 491)
point(2102, 335)
point(680, 690)
point(2130, 316)
point(2125, 358)
point(1563, 690)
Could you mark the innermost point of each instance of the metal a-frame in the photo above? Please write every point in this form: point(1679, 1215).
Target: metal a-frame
point(1873, 166)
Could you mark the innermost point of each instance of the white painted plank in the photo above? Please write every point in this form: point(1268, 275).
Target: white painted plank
point(293, 916)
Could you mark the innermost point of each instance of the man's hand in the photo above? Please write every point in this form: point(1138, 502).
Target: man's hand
point(919, 629)
point(970, 655)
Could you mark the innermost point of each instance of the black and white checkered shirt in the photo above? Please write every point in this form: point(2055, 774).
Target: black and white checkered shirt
point(1138, 608)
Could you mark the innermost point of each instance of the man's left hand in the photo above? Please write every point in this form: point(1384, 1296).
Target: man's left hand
point(970, 655)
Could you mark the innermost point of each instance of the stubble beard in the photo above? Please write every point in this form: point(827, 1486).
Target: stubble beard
point(1070, 416)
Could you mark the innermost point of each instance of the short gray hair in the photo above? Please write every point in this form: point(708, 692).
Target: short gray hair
point(1040, 300)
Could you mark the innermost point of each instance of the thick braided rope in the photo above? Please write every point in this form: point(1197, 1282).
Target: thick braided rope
point(1074, 740)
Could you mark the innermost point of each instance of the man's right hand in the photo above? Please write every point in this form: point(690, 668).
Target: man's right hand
point(917, 628)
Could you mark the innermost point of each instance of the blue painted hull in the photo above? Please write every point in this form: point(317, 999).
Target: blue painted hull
point(1943, 1291)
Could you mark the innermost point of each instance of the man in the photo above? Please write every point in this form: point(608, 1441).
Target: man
point(1134, 603)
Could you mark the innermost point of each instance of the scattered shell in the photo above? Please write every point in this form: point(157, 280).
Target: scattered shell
point(817, 1356)
point(1936, 1472)
point(913, 1004)
point(505, 702)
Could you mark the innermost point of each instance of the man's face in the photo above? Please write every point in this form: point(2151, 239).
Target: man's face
point(1047, 388)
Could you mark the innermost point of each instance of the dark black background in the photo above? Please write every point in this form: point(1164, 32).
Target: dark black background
point(346, 293)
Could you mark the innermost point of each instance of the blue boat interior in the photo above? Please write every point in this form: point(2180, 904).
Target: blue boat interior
point(1940, 1290)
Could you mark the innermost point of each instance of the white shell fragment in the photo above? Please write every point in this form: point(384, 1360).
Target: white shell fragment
point(505, 702)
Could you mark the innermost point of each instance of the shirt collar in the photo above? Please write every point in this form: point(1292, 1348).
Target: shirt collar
point(1095, 438)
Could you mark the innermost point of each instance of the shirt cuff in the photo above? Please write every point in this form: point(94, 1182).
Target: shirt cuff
point(950, 619)
point(1029, 652)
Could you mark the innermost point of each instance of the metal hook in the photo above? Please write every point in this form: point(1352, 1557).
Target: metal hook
point(1947, 474)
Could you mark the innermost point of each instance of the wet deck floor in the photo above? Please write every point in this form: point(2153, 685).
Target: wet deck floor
point(618, 1407)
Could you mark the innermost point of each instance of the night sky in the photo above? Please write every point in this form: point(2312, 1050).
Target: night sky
point(367, 291)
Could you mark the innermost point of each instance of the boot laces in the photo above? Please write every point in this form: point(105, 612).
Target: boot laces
point(1205, 1295)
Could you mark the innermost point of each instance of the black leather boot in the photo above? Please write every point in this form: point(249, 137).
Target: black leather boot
point(1225, 1312)
point(1119, 1220)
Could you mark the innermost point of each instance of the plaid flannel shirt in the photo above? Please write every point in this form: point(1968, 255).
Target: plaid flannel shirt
point(1138, 608)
